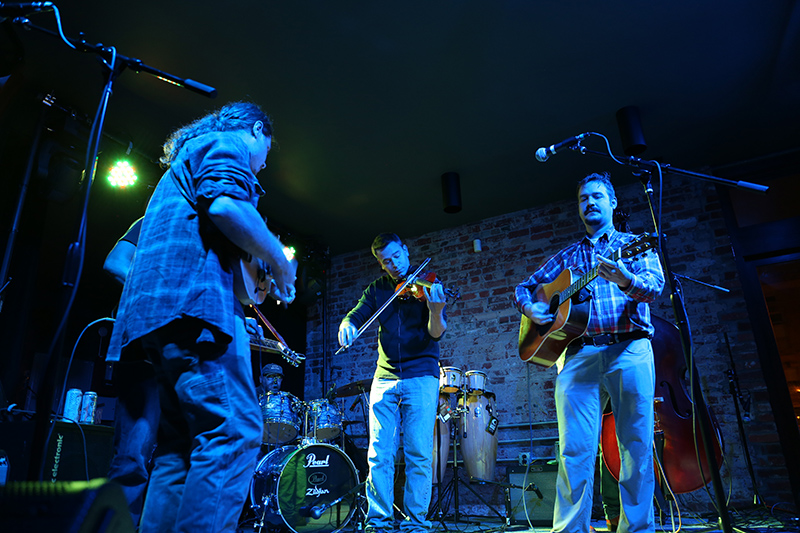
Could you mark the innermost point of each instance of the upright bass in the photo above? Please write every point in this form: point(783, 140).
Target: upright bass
point(677, 433)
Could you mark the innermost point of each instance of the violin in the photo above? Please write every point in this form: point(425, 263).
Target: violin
point(414, 289)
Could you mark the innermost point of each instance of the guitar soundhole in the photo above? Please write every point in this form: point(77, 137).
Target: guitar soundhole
point(554, 303)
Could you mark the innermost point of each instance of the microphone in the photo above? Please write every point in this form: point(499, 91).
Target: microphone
point(331, 392)
point(20, 10)
point(535, 489)
point(544, 153)
point(314, 511)
point(355, 402)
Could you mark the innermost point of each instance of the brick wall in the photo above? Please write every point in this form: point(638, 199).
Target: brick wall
point(483, 326)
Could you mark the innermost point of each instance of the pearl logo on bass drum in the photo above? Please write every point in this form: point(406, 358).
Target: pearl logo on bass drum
point(311, 461)
point(317, 478)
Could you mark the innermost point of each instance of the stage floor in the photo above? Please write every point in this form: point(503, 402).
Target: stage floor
point(755, 521)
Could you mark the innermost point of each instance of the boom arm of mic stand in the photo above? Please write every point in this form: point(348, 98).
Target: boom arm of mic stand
point(132, 63)
point(651, 166)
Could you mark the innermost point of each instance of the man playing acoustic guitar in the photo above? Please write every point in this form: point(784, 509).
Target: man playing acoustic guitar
point(610, 359)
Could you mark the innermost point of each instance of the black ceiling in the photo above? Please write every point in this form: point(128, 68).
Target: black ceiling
point(373, 101)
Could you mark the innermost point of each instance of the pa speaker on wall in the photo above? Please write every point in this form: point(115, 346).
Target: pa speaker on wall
point(95, 506)
point(535, 504)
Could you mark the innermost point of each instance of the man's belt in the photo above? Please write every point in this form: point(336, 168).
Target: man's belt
point(608, 339)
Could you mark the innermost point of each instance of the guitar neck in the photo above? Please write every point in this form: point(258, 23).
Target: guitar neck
point(268, 345)
point(584, 280)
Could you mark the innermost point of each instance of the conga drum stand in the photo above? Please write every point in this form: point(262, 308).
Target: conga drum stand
point(453, 484)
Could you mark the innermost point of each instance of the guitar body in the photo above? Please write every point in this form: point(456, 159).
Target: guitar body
point(251, 280)
point(544, 344)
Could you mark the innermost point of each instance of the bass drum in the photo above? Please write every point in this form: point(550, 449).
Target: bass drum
point(292, 484)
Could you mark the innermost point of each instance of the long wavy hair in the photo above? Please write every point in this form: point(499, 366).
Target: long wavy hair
point(230, 117)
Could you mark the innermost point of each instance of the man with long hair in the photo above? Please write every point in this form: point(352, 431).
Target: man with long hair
point(178, 308)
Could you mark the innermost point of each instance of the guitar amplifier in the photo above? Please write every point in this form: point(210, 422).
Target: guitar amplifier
point(539, 510)
point(68, 459)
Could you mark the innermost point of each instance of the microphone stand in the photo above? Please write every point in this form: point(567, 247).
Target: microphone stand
point(116, 64)
point(678, 308)
point(736, 393)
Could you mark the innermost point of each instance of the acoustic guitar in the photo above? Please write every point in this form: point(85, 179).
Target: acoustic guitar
point(543, 344)
point(252, 281)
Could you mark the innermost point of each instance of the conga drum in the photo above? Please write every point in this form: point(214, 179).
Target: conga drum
point(441, 439)
point(478, 428)
point(450, 378)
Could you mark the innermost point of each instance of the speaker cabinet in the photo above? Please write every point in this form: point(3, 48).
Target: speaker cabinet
point(539, 510)
point(66, 506)
point(66, 458)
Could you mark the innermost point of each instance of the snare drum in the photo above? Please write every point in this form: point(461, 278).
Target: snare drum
point(310, 489)
point(450, 379)
point(479, 435)
point(282, 413)
point(476, 381)
point(324, 420)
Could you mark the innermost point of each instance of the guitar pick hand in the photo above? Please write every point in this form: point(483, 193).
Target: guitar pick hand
point(539, 312)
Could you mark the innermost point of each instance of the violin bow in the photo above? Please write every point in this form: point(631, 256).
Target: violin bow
point(397, 292)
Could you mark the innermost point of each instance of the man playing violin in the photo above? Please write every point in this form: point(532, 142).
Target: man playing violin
point(612, 361)
point(405, 386)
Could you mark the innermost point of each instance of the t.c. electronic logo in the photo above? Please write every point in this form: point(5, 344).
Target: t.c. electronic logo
point(57, 458)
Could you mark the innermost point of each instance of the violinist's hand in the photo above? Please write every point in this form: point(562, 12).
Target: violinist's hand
point(539, 312)
point(435, 297)
point(347, 333)
point(614, 272)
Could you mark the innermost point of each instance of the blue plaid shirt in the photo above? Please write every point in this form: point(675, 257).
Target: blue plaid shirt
point(612, 309)
point(182, 266)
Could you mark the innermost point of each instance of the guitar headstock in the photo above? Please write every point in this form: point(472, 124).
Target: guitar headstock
point(641, 244)
point(258, 342)
point(290, 356)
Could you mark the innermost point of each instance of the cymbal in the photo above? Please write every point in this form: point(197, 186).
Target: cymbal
point(356, 387)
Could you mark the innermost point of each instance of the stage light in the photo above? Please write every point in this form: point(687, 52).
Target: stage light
point(122, 174)
point(289, 252)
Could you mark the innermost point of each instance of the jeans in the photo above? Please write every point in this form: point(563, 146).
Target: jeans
point(410, 405)
point(209, 432)
point(623, 373)
point(135, 425)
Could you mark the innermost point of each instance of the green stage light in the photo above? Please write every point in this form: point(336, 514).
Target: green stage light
point(122, 174)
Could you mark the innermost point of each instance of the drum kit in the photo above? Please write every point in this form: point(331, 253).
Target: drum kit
point(466, 419)
point(306, 482)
